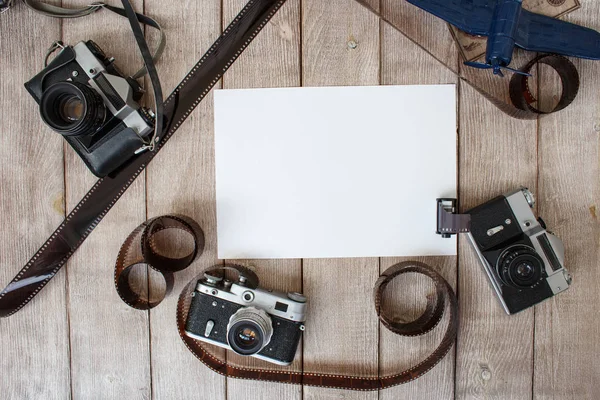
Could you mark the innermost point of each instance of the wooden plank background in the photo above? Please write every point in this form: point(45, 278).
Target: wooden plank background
point(78, 340)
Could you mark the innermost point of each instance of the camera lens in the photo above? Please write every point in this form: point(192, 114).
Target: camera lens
point(72, 109)
point(520, 266)
point(524, 270)
point(246, 336)
point(249, 331)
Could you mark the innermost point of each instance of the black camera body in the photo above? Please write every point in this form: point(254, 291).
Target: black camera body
point(5, 5)
point(524, 262)
point(251, 322)
point(84, 97)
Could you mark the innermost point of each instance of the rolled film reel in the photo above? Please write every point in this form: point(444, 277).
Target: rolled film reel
point(140, 249)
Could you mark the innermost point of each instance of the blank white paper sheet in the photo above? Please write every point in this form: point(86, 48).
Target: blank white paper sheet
point(333, 171)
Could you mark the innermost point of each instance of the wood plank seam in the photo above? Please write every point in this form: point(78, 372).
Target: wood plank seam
point(67, 286)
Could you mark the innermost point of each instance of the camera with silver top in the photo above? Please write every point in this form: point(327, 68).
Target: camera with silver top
point(524, 262)
point(84, 97)
point(252, 322)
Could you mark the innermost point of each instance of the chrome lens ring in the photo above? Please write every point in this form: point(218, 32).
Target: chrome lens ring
point(249, 331)
point(520, 266)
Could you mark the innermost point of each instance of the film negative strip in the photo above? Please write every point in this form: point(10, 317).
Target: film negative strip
point(53, 254)
point(140, 248)
point(77, 226)
point(443, 299)
point(449, 222)
point(521, 96)
point(104, 194)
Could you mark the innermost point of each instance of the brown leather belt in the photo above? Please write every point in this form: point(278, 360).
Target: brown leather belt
point(139, 248)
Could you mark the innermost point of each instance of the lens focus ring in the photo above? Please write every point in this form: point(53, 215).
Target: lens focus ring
point(72, 108)
point(249, 331)
point(520, 266)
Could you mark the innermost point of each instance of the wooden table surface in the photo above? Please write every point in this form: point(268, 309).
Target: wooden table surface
point(78, 340)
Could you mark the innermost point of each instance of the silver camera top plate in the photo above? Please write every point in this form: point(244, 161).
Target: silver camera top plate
point(98, 76)
point(549, 247)
point(275, 303)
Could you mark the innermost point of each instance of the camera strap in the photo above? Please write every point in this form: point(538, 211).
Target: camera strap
point(53, 11)
point(5, 5)
point(134, 20)
point(82, 220)
point(50, 10)
point(149, 68)
point(431, 317)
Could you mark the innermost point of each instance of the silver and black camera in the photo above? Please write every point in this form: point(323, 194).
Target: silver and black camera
point(251, 322)
point(524, 262)
point(84, 97)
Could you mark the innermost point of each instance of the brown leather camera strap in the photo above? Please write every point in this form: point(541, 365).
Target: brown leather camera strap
point(82, 220)
point(54, 11)
point(520, 94)
point(426, 322)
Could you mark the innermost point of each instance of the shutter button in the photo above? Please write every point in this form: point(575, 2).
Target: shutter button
point(209, 327)
point(297, 297)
